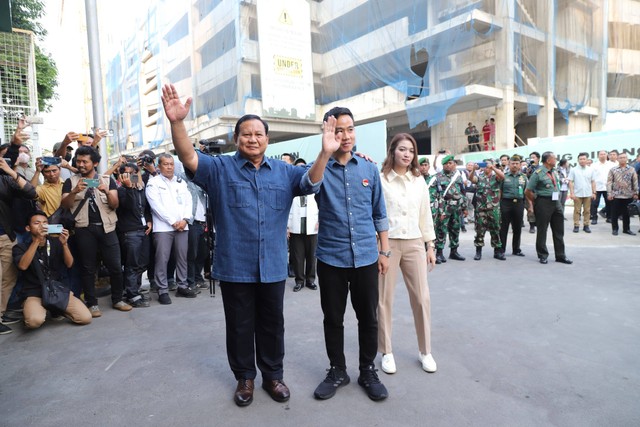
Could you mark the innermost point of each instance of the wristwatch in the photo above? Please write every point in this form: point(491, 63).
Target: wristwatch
point(387, 253)
point(431, 244)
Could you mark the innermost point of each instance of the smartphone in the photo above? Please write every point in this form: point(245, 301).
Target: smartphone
point(49, 161)
point(134, 178)
point(83, 137)
point(54, 228)
point(482, 164)
point(92, 183)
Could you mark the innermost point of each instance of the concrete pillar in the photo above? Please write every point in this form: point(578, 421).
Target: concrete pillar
point(545, 122)
point(505, 124)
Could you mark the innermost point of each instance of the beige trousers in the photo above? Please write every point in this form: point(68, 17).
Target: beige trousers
point(410, 257)
point(35, 313)
point(581, 204)
point(8, 271)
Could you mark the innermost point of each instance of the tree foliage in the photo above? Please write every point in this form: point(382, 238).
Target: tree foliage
point(26, 15)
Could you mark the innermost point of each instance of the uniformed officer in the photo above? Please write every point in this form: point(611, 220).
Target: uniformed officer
point(533, 165)
point(512, 204)
point(431, 184)
point(487, 211)
point(451, 202)
point(544, 186)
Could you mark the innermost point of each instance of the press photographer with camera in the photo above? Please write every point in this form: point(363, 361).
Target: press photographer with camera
point(147, 164)
point(133, 228)
point(45, 258)
point(97, 200)
point(13, 187)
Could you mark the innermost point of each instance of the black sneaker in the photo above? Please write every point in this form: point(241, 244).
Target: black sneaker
point(186, 292)
point(164, 299)
point(138, 302)
point(10, 318)
point(172, 286)
point(4, 329)
point(336, 378)
point(369, 380)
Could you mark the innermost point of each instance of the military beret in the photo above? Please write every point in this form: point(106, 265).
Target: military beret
point(516, 158)
point(424, 160)
point(447, 159)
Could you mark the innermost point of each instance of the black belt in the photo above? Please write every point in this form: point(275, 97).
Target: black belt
point(514, 200)
point(543, 197)
point(195, 221)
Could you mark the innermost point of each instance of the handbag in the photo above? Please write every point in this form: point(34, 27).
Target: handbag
point(65, 217)
point(55, 295)
point(634, 208)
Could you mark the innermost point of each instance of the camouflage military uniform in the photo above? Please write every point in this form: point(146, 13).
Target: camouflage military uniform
point(450, 206)
point(488, 210)
point(433, 195)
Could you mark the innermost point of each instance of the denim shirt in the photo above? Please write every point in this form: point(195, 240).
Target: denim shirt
point(250, 208)
point(351, 211)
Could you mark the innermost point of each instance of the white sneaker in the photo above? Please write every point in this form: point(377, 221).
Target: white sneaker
point(388, 364)
point(428, 364)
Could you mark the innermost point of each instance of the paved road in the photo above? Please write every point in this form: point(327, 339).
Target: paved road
point(517, 344)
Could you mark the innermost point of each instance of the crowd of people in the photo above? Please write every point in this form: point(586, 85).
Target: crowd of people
point(494, 194)
point(484, 140)
point(338, 217)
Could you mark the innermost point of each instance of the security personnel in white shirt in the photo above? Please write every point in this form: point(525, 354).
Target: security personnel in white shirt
point(171, 208)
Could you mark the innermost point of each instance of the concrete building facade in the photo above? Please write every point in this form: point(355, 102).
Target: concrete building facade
point(538, 67)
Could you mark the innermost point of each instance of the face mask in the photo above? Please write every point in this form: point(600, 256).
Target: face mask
point(23, 158)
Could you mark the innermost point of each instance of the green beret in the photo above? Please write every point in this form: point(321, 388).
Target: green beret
point(423, 160)
point(516, 158)
point(447, 159)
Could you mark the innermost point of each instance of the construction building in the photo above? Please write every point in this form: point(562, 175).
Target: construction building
point(538, 67)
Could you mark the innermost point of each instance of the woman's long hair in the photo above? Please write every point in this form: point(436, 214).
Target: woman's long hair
point(389, 161)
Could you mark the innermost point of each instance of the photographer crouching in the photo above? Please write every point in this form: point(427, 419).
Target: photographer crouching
point(45, 258)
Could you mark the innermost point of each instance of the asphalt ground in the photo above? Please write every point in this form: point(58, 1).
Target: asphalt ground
point(517, 344)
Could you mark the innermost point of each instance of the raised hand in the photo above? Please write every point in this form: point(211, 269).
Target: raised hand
point(330, 142)
point(174, 109)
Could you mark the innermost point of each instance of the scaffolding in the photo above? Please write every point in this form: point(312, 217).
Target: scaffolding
point(18, 89)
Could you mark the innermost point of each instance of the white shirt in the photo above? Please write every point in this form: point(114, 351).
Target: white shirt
point(601, 173)
point(310, 211)
point(581, 177)
point(170, 202)
point(408, 208)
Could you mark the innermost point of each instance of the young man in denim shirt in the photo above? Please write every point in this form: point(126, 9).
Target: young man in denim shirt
point(351, 213)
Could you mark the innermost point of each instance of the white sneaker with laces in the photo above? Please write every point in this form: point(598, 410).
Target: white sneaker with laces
point(388, 364)
point(428, 364)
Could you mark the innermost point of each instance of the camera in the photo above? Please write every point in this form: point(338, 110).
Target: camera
point(51, 161)
point(146, 159)
point(212, 146)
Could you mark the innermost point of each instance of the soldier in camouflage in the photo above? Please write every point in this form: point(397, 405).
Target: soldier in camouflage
point(431, 184)
point(449, 188)
point(487, 216)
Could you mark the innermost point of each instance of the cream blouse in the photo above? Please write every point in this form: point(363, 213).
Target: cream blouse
point(408, 208)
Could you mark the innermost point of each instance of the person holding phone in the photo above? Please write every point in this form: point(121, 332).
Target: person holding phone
point(95, 227)
point(45, 256)
point(134, 226)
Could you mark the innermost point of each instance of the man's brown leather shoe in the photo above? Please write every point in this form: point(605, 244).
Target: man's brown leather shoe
point(277, 389)
point(244, 392)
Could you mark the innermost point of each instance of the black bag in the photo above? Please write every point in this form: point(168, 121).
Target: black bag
point(634, 208)
point(65, 217)
point(55, 295)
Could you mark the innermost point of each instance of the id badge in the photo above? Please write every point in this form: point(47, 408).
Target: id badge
point(555, 195)
point(179, 200)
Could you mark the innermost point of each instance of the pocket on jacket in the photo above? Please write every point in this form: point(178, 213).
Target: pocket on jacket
point(239, 194)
